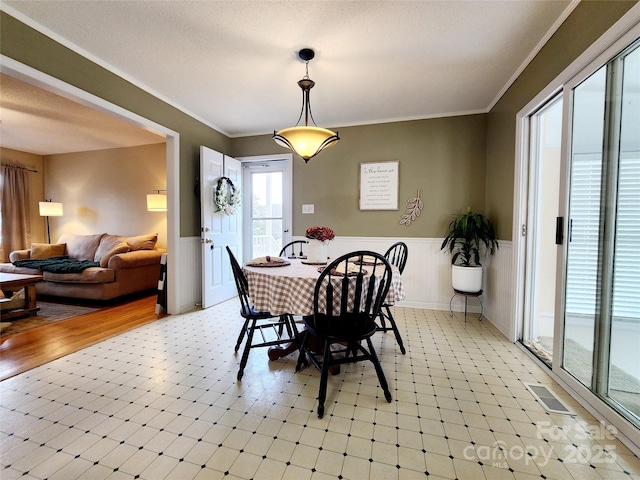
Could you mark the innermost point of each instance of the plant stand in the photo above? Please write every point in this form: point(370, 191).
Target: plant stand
point(466, 296)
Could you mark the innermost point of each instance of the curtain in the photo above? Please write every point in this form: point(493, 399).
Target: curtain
point(14, 210)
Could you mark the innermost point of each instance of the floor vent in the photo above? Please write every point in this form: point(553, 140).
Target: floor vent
point(547, 398)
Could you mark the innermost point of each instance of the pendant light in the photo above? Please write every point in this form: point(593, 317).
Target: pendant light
point(306, 141)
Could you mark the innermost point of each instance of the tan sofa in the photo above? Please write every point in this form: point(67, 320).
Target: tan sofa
point(126, 265)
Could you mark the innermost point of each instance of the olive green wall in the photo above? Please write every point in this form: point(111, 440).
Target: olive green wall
point(28, 46)
point(443, 157)
point(588, 21)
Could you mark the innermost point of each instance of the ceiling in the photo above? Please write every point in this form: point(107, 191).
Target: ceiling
point(234, 65)
point(43, 123)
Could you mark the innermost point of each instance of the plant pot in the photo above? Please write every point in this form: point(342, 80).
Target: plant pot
point(466, 279)
point(317, 251)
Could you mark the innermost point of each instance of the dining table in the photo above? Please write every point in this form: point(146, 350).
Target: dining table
point(287, 288)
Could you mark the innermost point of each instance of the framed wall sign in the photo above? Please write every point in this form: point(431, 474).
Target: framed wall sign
point(379, 185)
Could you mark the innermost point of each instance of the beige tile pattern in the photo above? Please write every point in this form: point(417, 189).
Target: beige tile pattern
point(162, 402)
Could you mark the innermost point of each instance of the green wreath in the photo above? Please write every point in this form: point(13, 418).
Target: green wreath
point(226, 196)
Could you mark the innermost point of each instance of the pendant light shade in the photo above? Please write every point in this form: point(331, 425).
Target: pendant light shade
point(306, 141)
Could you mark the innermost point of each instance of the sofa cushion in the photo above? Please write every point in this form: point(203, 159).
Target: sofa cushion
point(143, 242)
point(46, 250)
point(11, 268)
point(81, 247)
point(89, 275)
point(110, 245)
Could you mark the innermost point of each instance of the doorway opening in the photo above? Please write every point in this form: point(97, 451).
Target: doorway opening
point(545, 135)
point(54, 85)
point(267, 204)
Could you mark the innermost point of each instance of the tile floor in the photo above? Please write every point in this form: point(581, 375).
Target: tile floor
point(162, 401)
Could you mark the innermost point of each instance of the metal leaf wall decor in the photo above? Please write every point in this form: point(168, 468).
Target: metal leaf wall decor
point(414, 207)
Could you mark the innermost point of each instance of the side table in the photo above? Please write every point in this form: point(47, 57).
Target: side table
point(466, 296)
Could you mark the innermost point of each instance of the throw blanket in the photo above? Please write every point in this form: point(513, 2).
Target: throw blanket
point(62, 264)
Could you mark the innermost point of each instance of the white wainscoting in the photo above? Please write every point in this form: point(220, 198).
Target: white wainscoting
point(427, 275)
point(500, 290)
point(190, 281)
point(426, 278)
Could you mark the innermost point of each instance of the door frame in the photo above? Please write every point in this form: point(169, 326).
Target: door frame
point(622, 33)
point(528, 236)
point(51, 84)
point(287, 185)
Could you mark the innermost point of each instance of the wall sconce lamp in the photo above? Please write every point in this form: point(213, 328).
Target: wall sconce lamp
point(50, 209)
point(306, 141)
point(157, 202)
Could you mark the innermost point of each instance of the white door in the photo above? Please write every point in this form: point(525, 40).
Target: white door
point(218, 230)
point(266, 204)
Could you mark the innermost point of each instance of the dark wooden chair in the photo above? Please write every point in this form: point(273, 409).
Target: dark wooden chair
point(273, 329)
point(344, 311)
point(396, 255)
point(295, 249)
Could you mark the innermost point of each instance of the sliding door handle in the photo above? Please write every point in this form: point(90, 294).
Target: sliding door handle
point(559, 230)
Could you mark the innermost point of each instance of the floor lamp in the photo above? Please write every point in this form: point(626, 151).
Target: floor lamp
point(50, 209)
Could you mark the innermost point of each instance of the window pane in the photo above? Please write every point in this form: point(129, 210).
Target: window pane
point(624, 373)
point(266, 213)
point(267, 237)
point(581, 301)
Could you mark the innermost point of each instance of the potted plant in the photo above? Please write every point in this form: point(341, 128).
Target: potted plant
point(468, 232)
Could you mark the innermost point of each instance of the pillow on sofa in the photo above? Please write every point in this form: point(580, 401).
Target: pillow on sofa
point(46, 250)
point(110, 245)
point(143, 242)
point(120, 248)
point(81, 247)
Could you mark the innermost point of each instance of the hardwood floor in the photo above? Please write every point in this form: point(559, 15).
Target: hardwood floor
point(35, 347)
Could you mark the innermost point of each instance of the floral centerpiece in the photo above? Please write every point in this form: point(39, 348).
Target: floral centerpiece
point(226, 196)
point(319, 238)
point(321, 234)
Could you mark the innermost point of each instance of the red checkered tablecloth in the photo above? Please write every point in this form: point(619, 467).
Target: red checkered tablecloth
point(289, 289)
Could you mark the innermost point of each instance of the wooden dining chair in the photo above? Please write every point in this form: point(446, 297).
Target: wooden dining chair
point(344, 311)
point(273, 329)
point(295, 249)
point(396, 255)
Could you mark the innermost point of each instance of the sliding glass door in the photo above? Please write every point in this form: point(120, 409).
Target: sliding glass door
point(545, 135)
point(601, 317)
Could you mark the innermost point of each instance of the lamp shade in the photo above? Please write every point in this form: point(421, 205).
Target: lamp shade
point(156, 202)
point(306, 141)
point(50, 209)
